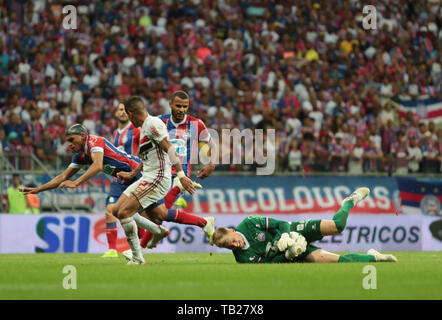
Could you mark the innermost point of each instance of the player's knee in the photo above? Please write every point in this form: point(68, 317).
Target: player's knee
point(340, 226)
point(123, 213)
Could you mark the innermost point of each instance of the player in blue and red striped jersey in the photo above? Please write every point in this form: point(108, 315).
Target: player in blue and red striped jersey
point(126, 138)
point(185, 133)
point(101, 156)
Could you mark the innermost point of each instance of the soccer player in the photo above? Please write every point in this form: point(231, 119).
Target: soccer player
point(126, 138)
point(157, 154)
point(185, 133)
point(265, 240)
point(100, 155)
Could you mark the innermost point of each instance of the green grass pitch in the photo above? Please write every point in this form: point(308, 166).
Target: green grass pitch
point(189, 276)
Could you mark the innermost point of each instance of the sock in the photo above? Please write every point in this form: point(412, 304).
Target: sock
point(130, 229)
point(180, 216)
point(141, 232)
point(356, 257)
point(171, 197)
point(146, 238)
point(111, 235)
point(146, 224)
point(340, 217)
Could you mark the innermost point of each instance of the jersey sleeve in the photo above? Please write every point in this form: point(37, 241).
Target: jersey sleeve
point(76, 162)
point(203, 133)
point(280, 258)
point(156, 130)
point(136, 139)
point(95, 144)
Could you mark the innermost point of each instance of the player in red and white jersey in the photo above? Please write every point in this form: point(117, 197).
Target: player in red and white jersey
point(157, 154)
point(185, 133)
point(126, 138)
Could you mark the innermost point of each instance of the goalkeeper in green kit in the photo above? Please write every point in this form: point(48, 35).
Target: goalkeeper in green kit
point(259, 239)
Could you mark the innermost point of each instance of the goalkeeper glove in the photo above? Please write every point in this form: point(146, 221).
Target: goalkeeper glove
point(285, 241)
point(299, 246)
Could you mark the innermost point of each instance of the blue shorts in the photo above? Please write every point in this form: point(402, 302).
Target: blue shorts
point(116, 190)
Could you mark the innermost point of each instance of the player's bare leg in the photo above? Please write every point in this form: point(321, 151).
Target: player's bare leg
point(323, 256)
point(126, 209)
point(111, 233)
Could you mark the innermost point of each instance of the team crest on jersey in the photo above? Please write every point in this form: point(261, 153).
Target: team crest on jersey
point(185, 135)
point(261, 236)
point(124, 140)
point(180, 146)
point(92, 141)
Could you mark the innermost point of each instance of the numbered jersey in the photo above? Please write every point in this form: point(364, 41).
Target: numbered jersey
point(127, 139)
point(185, 136)
point(156, 162)
point(114, 159)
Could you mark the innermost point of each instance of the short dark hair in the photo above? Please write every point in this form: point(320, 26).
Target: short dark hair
point(180, 94)
point(77, 129)
point(134, 104)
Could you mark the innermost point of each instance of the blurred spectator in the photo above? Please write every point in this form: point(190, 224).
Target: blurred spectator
point(16, 202)
point(26, 150)
point(339, 153)
point(355, 161)
point(308, 152)
point(294, 157)
point(372, 157)
point(45, 147)
point(430, 151)
point(414, 155)
point(33, 201)
point(299, 68)
point(322, 153)
point(399, 151)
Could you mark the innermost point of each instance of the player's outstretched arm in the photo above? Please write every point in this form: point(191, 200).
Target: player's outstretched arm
point(128, 176)
point(94, 169)
point(54, 183)
point(209, 150)
point(170, 149)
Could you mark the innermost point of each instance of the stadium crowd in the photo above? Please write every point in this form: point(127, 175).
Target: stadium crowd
point(306, 69)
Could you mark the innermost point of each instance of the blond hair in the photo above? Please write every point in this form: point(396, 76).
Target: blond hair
point(219, 237)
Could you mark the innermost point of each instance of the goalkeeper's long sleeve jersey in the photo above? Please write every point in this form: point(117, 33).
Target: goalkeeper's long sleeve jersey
point(262, 235)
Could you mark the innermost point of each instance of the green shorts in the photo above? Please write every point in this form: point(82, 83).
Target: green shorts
point(311, 230)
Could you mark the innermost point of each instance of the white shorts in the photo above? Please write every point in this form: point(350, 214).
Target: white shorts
point(149, 190)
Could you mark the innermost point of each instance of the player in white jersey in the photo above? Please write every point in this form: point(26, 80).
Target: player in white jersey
point(157, 154)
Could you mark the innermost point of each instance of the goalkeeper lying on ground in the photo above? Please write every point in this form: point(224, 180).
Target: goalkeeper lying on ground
point(260, 239)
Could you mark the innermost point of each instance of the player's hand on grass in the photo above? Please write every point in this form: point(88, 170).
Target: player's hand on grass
point(28, 190)
point(67, 184)
point(125, 176)
point(187, 185)
point(285, 241)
